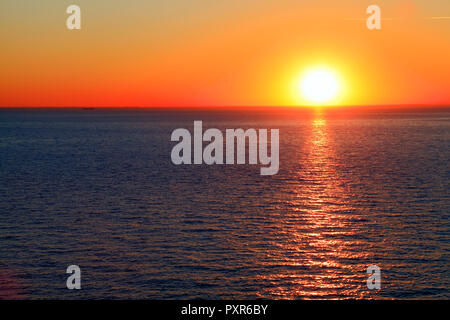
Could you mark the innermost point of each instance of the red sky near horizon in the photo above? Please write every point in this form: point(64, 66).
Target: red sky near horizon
point(205, 53)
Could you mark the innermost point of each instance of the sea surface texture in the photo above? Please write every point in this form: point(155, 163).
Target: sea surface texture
point(96, 188)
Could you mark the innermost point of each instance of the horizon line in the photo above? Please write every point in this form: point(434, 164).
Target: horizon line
point(405, 105)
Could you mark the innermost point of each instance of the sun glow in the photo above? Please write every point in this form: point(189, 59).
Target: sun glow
point(319, 86)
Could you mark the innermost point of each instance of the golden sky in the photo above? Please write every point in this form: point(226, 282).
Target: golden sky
point(221, 53)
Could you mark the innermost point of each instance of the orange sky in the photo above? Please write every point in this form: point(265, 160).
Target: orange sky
point(208, 53)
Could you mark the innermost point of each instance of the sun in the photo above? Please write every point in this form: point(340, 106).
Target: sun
point(319, 86)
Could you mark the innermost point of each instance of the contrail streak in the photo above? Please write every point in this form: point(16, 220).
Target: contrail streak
point(437, 18)
point(393, 19)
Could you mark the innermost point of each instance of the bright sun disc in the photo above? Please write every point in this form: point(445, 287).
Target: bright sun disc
point(319, 86)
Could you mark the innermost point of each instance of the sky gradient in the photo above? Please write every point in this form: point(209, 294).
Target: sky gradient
point(221, 53)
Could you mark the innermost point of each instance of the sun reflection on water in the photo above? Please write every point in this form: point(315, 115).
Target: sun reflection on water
point(321, 232)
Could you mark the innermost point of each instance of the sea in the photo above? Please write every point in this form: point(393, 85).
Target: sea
point(96, 188)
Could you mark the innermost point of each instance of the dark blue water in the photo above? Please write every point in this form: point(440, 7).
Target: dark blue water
point(97, 188)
